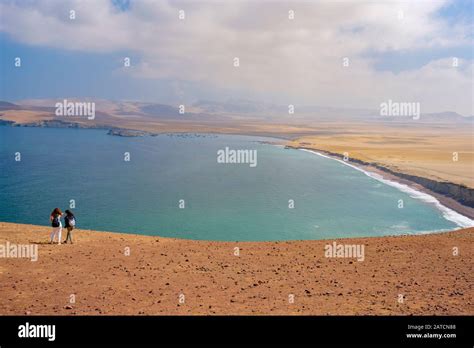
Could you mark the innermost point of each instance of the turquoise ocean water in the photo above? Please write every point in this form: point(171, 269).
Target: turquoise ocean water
point(222, 201)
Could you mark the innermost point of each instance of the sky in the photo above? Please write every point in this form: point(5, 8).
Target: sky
point(407, 51)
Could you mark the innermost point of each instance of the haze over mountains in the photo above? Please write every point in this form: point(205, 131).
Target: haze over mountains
point(232, 109)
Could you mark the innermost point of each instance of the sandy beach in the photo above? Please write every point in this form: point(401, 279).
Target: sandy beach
point(413, 274)
point(446, 201)
point(444, 154)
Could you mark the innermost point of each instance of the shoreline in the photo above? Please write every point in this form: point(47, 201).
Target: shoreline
point(119, 233)
point(461, 220)
point(259, 281)
point(446, 201)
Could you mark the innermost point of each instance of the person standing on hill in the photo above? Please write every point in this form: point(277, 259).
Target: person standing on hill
point(70, 223)
point(56, 224)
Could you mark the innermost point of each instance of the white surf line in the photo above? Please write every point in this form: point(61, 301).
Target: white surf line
point(448, 213)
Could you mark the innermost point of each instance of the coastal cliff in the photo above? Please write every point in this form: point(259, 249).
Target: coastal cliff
point(121, 132)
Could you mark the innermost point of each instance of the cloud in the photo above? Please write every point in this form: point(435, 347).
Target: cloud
point(294, 61)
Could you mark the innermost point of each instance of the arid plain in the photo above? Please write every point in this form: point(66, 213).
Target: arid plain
point(399, 275)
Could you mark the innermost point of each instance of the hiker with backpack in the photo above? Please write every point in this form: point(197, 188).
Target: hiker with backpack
point(70, 223)
point(56, 224)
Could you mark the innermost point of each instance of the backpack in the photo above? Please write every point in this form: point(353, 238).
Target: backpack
point(56, 222)
point(72, 221)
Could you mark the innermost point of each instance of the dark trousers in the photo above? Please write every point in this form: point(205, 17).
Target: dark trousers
point(69, 234)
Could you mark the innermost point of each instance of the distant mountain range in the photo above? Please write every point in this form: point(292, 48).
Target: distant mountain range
point(207, 110)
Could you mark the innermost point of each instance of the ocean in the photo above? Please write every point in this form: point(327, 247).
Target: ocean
point(175, 186)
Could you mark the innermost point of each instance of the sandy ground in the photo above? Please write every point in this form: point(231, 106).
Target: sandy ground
point(440, 153)
point(261, 280)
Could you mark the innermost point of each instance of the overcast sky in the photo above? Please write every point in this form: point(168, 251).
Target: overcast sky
point(403, 51)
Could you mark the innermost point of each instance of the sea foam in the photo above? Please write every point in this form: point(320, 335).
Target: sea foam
point(448, 214)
